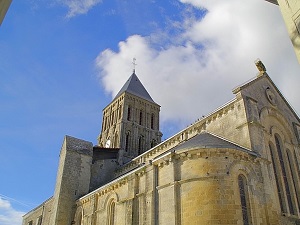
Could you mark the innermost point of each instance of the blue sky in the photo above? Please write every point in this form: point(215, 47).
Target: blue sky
point(62, 61)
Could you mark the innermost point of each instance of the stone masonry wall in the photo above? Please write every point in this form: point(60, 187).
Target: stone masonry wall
point(190, 187)
point(40, 215)
point(73, 178)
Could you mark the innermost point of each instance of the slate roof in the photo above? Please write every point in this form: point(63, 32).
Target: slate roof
point(208, 140)
point(134, 86)
point(273, 1)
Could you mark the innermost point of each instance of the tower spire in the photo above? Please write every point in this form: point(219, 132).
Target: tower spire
point(131, 121)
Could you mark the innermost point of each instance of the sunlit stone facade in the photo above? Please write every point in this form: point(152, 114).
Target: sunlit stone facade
point(290, 10)
point(238, 165)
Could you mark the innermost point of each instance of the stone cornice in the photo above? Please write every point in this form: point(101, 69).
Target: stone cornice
point(39, 206)
point(168, 158)
point(184, 135)
point(205, 153)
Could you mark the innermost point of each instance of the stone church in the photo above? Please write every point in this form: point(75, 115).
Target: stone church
point(239, 165)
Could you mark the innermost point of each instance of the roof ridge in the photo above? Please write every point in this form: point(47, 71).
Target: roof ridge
point(227, 140)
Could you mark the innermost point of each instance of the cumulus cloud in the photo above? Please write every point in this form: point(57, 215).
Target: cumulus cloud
point(207, 58)
point(8, 215)
point(77, 7)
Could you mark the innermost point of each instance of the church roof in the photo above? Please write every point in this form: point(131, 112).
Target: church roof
point(134, 86)
point(208, 140)
point(273, 1)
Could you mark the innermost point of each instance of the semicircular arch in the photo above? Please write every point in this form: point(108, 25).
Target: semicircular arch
point(238, 167)
point(109, 197)
point(78, 215)
point(275, 122)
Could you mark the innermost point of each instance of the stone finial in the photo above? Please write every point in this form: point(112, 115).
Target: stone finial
point(260, 66)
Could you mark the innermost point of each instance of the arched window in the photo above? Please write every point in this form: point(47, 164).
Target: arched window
point(116, 140)
point(105, 123)
point(112, 118)
point(284, 175)
point(293, 172)
point(129, 113)
point(120, 112)
point(39, 220)
point(244, 197)
point(78, 216)
point(111, 213)
point(153, 143)
point(127, 140)
point(277, 178)
point(79, 220)
point(141, 118)
point(297, 163)
point(140, 145)
point(152, 121)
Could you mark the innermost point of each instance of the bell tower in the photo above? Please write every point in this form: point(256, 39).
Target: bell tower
point(131, 121)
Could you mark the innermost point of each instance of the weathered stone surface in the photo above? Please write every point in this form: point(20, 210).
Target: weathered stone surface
point(191, 178)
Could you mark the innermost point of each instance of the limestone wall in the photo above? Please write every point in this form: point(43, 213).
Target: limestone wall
point(262, 97)
point(290, 10)
point(102, 171)
point(41, 215)
point(230, 122)
point(190, 187)
point(73, 178)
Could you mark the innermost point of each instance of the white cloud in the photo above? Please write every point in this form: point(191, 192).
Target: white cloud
point(77, 7)
point(8, 215)
point(216, 54)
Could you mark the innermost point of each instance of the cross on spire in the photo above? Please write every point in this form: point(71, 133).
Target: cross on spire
point(134, 64)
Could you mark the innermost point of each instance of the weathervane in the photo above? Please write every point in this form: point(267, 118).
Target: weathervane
point(134, 64)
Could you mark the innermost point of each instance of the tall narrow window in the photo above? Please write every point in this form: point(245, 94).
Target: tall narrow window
point(153, 143)
point(276, 173)
point(105, 123)
point(140, 150)
point(112, 118)
point(129, 113)
point(111, 213)
point(244, 200)
point(78, 216)
point(39, 220)
point(152, 121)
point(120, 112)
point(297, 164)
point(127, 141)
point(284, 175)
point(108, 121)
point(294, 175)
point(141, 117)
point(116, 140)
